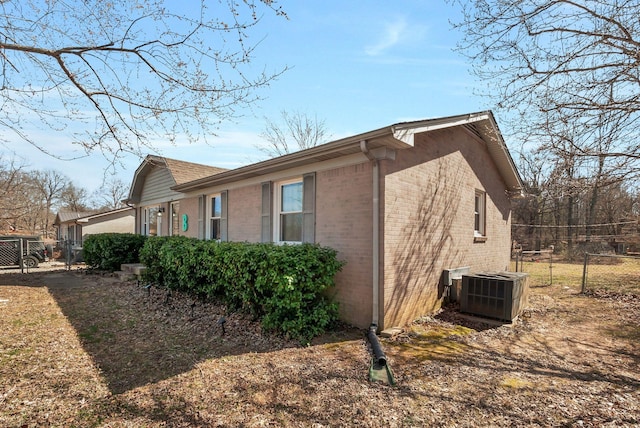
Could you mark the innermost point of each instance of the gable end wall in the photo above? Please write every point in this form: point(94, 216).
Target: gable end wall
point(428, 221)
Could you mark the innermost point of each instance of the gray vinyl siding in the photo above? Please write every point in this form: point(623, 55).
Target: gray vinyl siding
point(157, 187)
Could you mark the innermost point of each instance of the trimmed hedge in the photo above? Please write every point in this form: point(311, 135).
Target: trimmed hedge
point(107, 251)
point(285, 286)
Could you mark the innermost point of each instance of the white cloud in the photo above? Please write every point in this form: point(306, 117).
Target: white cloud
point(395, 33)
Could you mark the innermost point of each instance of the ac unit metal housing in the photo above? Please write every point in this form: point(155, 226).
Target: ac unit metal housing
point(500, 295)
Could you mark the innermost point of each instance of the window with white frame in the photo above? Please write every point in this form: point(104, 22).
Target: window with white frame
point(215, 215)
point(151, 221)
point(479, 214)
point(288, 226)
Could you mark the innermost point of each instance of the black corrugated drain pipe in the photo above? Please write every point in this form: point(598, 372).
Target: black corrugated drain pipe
point(380, 360)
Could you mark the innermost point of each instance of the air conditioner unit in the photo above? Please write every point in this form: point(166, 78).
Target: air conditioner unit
point(500, 295)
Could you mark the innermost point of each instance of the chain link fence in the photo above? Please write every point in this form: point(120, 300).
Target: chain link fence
point(9, 252)
point(71, 252)
point(29, 253)
point(611, 273)
point(521, 261)
point(24, 252)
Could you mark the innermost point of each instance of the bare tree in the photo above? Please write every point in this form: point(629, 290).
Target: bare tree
point(75, 199)
point(561, 63)
point(295, 131)
point(50, 185)
point(565, 75)
point(113, 76)
point(12, 189)
point(111, 194)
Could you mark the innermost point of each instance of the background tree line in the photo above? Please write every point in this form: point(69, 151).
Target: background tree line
point(30, 200)
point(564, 77)
point(569, 206)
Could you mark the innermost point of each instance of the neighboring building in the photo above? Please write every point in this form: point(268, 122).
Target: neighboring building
point(75, 226)
point(400, 205)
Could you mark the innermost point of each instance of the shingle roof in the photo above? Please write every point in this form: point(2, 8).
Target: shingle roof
point(64, 216)
point(183, 172)
point(394, 137)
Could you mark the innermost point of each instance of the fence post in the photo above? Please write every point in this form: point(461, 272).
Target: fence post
point(551, 267)
point(21, 254)
point(584, 272)
point(67, 254)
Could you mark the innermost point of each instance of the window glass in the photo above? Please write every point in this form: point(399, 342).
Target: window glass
point(214, 229)
point(289, 226)
point(175, 218)
point(479, 214)
point(216, 206)
point(214, 219)
point(291, 197)
point(152, 218)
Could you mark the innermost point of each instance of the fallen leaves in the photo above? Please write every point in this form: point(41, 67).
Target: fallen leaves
point(91, 351)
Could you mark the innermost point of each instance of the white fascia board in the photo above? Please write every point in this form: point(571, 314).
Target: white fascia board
point(281, 175)
point(406, 132)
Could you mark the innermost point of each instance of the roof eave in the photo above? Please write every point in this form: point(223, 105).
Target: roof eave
point(398, 136)
point(346, 146)
point(501, 155)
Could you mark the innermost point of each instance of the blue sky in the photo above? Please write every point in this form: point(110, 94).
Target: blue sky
point(358, 65)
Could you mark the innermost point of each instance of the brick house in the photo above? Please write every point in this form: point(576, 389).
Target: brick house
point(400, 204)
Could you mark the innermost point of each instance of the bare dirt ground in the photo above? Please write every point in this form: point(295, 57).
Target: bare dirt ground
point(87, 350)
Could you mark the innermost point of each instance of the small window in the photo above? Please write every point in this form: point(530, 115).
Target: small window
point(215, 215)
point(479, 214)
point(289, 206)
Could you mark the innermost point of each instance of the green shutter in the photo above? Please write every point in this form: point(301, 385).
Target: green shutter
point(309, 208)
point(266, 233)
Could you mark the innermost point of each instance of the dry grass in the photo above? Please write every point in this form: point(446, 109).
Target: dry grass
point(79, 350)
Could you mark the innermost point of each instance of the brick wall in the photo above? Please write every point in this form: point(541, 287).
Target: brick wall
point(428, 205)
point(344, 222)
point(244, 213)
point(189, 206)
point(427, 223)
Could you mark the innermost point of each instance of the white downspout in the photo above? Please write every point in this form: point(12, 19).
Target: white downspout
point(376, 233)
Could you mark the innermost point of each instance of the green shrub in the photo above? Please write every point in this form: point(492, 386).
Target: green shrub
point(107, 251)
point(285, 286)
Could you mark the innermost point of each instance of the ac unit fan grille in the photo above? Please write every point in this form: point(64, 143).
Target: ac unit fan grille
point(493, 296)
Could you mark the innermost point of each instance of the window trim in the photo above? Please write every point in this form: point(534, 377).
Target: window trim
point(277, 211)
point(480, 216)
point(211, 217)
point(146, 220)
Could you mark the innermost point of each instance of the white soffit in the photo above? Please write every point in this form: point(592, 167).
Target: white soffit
point(405, 132)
